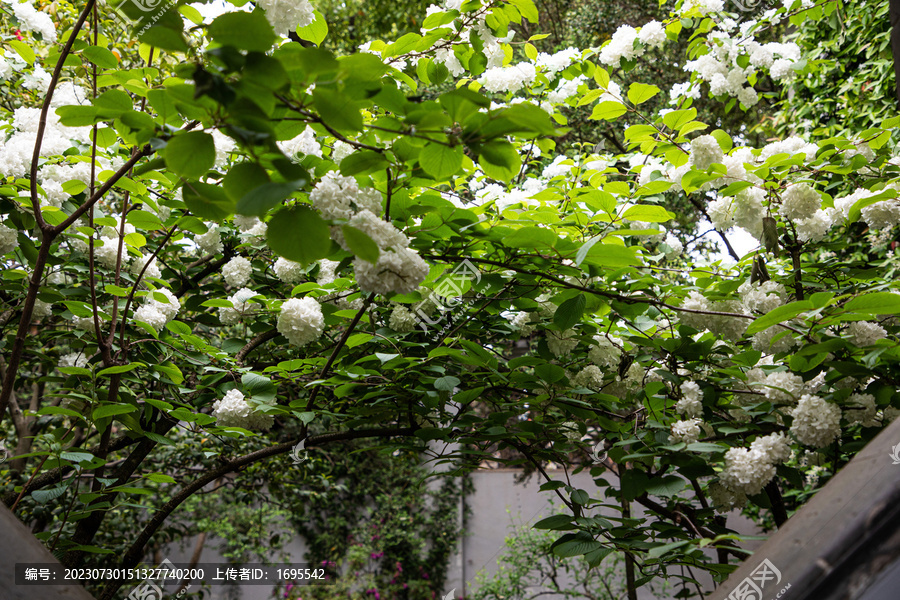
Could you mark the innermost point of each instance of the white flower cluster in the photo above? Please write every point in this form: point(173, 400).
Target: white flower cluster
point(687, 431)
point(42, 309)
point(289, 271)
point(157, 312)
point(622, 45)
point(864, 333)
point(817, 423)
point(152, 269)
point(34, 20)
point(554, 63)
point(301, 321)
point(748, 470)
point(8, 239)
point(691, 402)
point(304, 144)
point(338, 197)
point(398, 268)
point(561, 343)
point(286, 16)
point(706, 151)
point(250, 227)
point(731, 328)
point(402, 319)
point(606, 351)
point(16, 153)
point(590, 377)
point(724, 499)
point(865, 410)
point(211, 241)
point(73, 359)
point(234, 411)
point(237, 271)
point(241, 307)
point(799, 201)
point(508, 79)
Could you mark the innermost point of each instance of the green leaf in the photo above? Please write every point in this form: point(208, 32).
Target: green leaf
point(76, 457)
point(338, 110)
point(23, 50)
point(499, 160)
point(779, 315)
point(648, 214)
point(570, 312)
point(298, 233)
point(247, 31)
point(608, 110)
point(120, 369)
point(361, 244)
point(143, 219)
point(191, 154)
point(446, 383)
point(109, 410)
point(556, 522)
point(878, 303)
point(577, 545)
point(207, 201)
point(540, 238)
point(160, 478)
point(101, 57)
point(316, 31)
point(259, 201)
point(658, 551)
point(665, 486)
point(638, 93)
point(163, 37)
point(362, 162)
point(439, 160)
point(44, 496)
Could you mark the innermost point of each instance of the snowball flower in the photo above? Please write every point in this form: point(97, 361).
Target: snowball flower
point(286, 16)
point(237, 271)
point(747, 471)
point(652, 34)
point(799, 201)
point(621, 46)
point(605, 352)
point(690, 404)
point(816, 422)
point(151, 316)
point(864, 333)
point(233, 411)
point(73, 359)
point(211, 241)
point(508, 79)
point(301, 321)
point(289, 271)
point(338, 197)
point(687, 431)
point(8, 239)
point(42, 309)
point(241, 307)
point(402, 319)
point(561, 343)
point(863, 411)
point(397, 271)
point(590, 377)
point(705, 151)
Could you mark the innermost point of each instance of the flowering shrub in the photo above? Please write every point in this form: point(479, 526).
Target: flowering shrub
point(217, 231)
